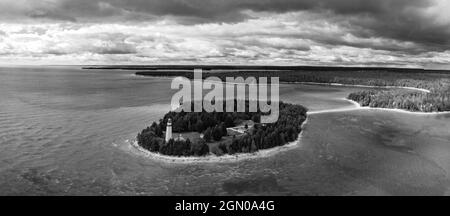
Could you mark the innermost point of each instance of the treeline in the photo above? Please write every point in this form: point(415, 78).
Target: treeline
point(406, 100)
point(200, 121)
point(256, 67)
point(431, 80)
point(151, 139)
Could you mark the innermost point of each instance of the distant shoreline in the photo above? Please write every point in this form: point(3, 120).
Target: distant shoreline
point(259, 67)
point(319, 83)
point(357, 106)
point(362, 86)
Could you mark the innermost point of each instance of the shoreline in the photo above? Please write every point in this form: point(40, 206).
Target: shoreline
point(211, 158)
point(361, 86)
point(357, 106)
point(317, 83)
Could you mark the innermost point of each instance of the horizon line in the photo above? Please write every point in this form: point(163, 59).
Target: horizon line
point(253, 66)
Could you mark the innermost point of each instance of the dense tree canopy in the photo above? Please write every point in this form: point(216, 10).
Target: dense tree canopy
point(401, 99)
point(214, 127)
point(285, 130)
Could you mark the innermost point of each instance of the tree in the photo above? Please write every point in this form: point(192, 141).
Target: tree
point(223, 148)
point(253, 147)
point(256, 118)
point(283, 138)
point(187, 147)
point(223, 129)
point(154, 126)
point(234, 146)
point(158, 131)
point(199, 126)
point(229, 121)
point(154, 145)
point(204, 148)
point(207, 135)
point(200, 148)
point(217, 133)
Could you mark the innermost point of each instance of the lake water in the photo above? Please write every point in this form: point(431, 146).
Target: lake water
point(64, 131)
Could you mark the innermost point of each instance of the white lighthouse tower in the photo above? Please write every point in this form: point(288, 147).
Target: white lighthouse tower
point(169, 130)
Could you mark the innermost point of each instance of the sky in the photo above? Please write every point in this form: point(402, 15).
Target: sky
point(390, 33)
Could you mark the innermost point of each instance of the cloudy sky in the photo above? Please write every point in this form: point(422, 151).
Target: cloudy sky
point(411, 33)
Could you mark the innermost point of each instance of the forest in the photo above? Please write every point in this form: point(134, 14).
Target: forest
point(431, 80)
point(213, 126)
point(406, 100)
point(264, 136)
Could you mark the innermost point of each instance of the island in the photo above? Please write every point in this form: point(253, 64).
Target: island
point(197, 134)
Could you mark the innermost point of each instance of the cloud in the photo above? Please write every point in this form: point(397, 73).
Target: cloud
point(266, 40)
point(45, 14)
point(405, 32)
point(421, 21)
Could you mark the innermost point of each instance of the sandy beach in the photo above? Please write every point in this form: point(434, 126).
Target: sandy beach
point(361, 86)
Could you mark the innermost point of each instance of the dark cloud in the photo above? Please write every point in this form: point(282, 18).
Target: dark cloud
point(216, 10)
point(50, 15)
point(396, 19)
point(399, 27)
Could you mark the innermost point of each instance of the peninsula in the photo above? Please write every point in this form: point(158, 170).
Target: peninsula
point(416, 90)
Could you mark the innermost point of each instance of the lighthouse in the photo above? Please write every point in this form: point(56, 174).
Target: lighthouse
point(169, 130)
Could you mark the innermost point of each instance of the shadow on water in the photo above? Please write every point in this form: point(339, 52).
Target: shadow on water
point(253, 185)
point(384, 153)
point(393, 138)
point(443, 116)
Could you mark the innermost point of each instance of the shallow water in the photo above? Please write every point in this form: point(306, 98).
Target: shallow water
point(63, 131)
